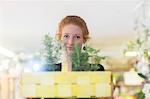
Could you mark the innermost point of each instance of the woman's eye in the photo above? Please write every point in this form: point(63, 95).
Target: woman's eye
point(66, 36)
point(77, 37)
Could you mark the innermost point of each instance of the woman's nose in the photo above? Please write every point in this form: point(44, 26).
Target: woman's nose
point(70, 41)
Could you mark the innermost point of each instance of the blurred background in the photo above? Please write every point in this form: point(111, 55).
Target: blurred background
point(23, 24)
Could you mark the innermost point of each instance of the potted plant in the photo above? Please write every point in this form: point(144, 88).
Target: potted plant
point(87, 59)
point(51, 54)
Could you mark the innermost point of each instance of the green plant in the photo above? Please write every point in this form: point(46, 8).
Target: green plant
point(80, 59)
point(95, 54)
point(51, 52)
point(140, 95)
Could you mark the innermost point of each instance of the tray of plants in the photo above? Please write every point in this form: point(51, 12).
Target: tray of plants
point(87, 79)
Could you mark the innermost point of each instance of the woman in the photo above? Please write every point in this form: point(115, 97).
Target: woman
point(72, 30)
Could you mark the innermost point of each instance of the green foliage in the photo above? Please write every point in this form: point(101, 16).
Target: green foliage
point(134, 45)
point(142, 41)
point(140, 95)
point(52, 51)
point(80, 59)
point(131, 45)
point(48, 49)
point(146, 53)
point(94, 53)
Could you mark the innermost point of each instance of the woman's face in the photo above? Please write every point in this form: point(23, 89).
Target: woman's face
point(72, 34)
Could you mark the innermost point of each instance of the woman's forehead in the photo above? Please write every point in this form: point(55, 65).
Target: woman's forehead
point(72, 29)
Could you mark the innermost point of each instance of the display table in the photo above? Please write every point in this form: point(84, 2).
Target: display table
point(67, 84)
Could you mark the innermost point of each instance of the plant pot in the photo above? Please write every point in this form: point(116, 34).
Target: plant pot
point(97, 67)
point(51, 67)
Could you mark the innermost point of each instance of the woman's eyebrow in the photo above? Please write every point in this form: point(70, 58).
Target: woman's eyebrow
point(72, 34)
point(65, 33)
point(78, 34)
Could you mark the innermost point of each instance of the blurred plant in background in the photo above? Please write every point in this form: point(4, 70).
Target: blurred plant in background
point(141, 45)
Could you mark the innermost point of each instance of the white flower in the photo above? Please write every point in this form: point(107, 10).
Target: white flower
point(146, 90)
point(143, 67)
